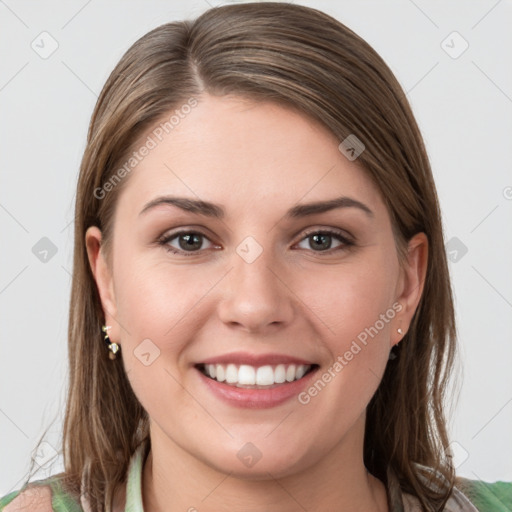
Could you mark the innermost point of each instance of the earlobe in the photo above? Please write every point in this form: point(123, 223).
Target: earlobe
point(102, 275)
point(412, 281)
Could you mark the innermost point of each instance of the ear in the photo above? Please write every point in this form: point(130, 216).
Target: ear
point(411, 284)
point(104, 279)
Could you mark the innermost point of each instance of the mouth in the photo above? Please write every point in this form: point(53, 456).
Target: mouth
point(255, 381)
point(256, 377)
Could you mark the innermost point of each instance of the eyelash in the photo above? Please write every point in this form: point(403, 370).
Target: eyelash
point(347, 243)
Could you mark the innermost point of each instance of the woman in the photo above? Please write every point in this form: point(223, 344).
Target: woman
point(261, 315)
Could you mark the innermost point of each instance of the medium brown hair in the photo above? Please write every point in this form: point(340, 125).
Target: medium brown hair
point(303, 59)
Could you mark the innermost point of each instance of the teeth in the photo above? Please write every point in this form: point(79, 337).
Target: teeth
point(219, 373)
point(211, 369)
point(301, 370)
point(231, 374)
point(265, 376)
point(290, 373)
point(280, 374)
point(246, 375)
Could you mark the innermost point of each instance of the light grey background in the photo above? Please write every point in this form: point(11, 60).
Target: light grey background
point(463, 106)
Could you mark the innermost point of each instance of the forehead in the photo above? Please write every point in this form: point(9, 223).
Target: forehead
point(243, 153)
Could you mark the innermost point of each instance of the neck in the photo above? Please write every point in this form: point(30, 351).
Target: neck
point(174, 480)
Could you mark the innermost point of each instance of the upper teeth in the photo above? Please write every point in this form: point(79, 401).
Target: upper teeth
point(246, 375)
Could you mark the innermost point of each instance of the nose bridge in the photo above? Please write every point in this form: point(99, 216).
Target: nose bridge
point(255, 297)
point(252, 270)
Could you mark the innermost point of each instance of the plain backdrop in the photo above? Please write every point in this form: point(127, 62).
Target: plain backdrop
point(452, 59)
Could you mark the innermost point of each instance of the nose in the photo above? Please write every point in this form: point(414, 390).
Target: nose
point(256, 296)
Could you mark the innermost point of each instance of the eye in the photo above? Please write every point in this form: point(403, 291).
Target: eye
point(188, 242)
point(321, 240)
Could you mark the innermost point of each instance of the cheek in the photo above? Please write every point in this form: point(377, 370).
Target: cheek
point(162, 303)
point(156, 306)
point(356, 304)
point(349, 299)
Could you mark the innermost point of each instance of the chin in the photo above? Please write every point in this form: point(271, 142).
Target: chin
point(252, 463)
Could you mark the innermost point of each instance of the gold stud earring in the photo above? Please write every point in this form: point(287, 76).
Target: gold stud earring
point(112, 347)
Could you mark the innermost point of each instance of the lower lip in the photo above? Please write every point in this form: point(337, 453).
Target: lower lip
point(252, 398)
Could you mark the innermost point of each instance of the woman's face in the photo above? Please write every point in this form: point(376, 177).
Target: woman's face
point(280, 260)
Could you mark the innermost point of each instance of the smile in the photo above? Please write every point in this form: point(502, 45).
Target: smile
point(255, 377)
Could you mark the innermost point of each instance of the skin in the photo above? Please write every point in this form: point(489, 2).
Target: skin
point(256, 160)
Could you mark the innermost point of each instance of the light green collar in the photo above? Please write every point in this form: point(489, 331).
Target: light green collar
point(134, 481)
point(458, 502)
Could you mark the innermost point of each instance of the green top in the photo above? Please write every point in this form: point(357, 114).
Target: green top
point(485, 496)
point(64, 502)
point(468, 494)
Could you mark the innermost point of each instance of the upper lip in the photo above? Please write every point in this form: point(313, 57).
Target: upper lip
point(254, 359)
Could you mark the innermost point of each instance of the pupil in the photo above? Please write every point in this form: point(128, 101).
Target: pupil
point(323, 241)
point(191, 241)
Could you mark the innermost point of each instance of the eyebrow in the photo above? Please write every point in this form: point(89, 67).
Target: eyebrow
point(216, 211)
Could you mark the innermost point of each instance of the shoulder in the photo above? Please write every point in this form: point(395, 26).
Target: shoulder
point(40, 496)
point(470, 496)
point(33, 499)
point(487, 496)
